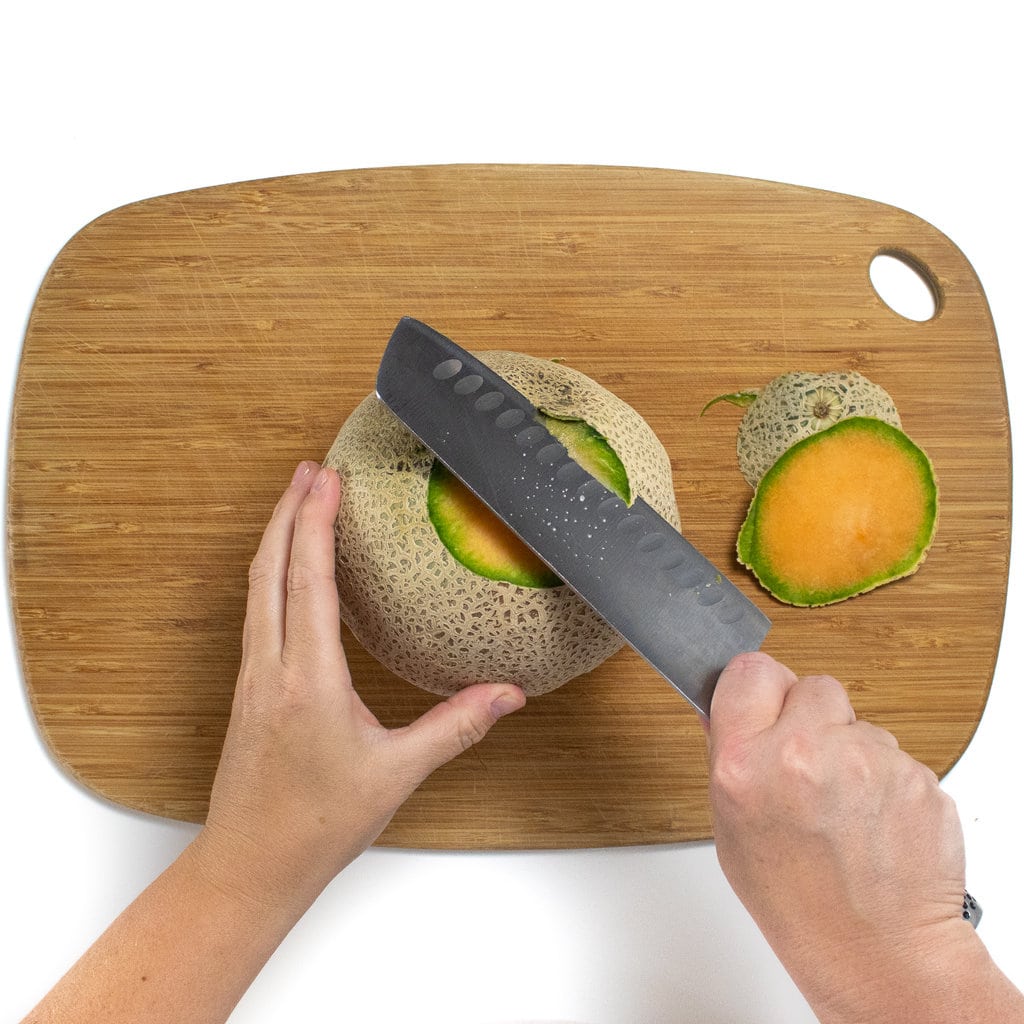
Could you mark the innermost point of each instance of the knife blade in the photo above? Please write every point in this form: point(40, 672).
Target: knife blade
point(627, 562)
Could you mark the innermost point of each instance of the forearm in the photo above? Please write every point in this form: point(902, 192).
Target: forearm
point(184, 951)
point(957, 984)
point(308, 779)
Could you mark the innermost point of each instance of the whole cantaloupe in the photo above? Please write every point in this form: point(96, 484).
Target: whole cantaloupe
point(418, 610)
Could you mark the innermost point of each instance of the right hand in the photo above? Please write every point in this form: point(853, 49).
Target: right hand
point(843, 848)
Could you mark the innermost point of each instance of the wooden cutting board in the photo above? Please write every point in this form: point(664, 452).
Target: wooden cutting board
point(186, 351)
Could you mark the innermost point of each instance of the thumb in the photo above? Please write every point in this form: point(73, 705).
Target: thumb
point(749, 696)
point(454, 725)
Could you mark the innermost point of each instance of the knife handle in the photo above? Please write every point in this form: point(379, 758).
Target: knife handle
point(971, 909)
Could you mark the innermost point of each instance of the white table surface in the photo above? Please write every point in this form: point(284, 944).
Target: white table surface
point(917, 105)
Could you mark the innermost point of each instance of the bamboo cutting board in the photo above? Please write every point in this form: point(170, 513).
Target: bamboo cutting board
point(185, 352)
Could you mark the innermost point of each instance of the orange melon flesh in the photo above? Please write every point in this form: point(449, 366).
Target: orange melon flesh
point(479, 540)
point(841, 512)
point(482, 541)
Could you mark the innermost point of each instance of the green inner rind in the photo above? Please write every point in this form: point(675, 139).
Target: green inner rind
point(458, 537)
point(586, 445)
point(591, 450)
point(748, 550)
point(742, 399)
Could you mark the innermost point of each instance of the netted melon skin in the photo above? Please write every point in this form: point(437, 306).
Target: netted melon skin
point(782, 414)
point(421, 613)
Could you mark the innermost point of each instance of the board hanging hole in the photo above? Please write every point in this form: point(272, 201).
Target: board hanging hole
point(904, 285)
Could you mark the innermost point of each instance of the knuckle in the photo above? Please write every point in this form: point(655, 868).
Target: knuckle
point(260, 573)
point(248, 691)
point(827, 695)
point(875, 733)
point(292, 695)
point(948, 809)
point(752, 662)
point(865, 765)
point(731, 775)
point(267, 690)
point(471, 731)
point(924, 779)
point(303, 578)
point(798, 757)
point(821, 680)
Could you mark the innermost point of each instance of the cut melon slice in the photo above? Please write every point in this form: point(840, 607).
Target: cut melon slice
point(839, 513)
point(480, 541)
point(796, 405)
point(591, 450)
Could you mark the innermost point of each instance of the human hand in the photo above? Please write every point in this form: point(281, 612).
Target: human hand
point(843, 848)
point(308, 777)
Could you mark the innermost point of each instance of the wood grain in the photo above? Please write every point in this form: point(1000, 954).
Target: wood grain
point(186, 351)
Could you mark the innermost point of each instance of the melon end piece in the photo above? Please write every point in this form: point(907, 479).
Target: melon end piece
point(841, 513)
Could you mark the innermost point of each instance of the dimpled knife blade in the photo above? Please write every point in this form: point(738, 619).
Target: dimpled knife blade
point(627, 562)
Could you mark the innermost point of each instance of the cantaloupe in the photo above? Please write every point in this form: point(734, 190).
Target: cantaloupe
point(796, 405)
point(478, 539)
point(839, 513)
point(424, 613)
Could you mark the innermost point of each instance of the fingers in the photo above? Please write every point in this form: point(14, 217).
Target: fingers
point(755, 692)
point(264, 615)
point(312, 624)
point(454, 725)
point(818, 701)
point(749, 695)
point(292, 610)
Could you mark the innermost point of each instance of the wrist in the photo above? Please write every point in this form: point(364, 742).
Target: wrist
point(944, 975)
point(254, 877)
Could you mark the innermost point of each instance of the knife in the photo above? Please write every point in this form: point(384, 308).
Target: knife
point(627, 562)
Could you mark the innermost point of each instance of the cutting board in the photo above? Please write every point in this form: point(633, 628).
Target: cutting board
point(185, 352)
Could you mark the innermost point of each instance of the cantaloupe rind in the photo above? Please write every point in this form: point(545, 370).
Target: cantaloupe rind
point(839, 513)
point(796, 405)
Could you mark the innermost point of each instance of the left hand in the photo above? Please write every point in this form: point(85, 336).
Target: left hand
point(308, 777)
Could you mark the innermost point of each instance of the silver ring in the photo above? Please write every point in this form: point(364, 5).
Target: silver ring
point(972, 909)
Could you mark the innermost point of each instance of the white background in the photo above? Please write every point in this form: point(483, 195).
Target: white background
point(913, 104)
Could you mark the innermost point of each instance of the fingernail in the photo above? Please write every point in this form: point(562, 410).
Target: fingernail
point(301, 472)
point(321, 479)
point(507, 703)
